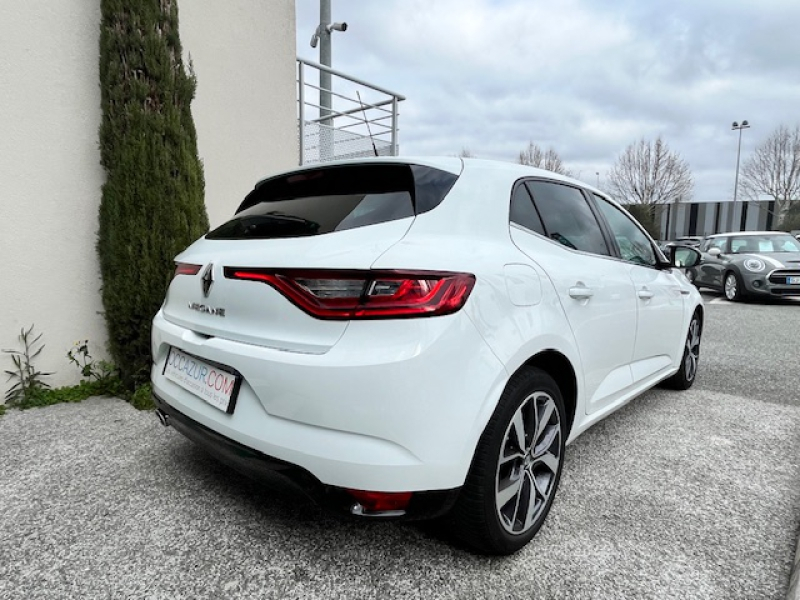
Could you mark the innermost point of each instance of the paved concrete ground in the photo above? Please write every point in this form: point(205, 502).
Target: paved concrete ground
point(678, 495)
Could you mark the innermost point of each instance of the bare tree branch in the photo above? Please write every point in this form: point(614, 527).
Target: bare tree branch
point(534, 156)
point(649, 173)
point(774, 169)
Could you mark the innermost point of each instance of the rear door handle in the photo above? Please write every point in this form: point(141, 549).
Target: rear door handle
point(580, 292)
point(645, 294)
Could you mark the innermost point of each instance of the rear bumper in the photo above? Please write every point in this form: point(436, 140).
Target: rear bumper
point(257, 465)
point(394, 406)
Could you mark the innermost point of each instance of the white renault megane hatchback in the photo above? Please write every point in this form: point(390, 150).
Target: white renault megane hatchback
point(409, 338)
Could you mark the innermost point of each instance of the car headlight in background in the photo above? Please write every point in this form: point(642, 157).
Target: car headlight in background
point(755, 265)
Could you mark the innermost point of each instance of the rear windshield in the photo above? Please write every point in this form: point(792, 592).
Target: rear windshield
point(332, 199)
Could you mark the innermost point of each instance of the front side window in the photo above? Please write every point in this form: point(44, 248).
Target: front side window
point(634, 245)
point(764, 244)
point(718, 243)
point(567, 218)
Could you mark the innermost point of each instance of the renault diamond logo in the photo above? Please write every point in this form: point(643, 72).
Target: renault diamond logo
point(208, 279)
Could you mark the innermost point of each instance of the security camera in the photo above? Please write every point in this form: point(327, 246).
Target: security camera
point(337, 27)
point(315, 38)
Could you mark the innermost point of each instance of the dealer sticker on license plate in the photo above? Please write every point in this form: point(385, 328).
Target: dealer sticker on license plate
point(793, 280)
point(214, 384)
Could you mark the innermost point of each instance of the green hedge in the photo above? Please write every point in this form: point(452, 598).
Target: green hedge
point(152, 205)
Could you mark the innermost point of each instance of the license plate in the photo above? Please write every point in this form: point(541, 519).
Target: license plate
point(795, 280)
point(213, 383)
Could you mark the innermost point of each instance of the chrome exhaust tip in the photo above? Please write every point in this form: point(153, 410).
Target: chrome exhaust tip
point(162, 417)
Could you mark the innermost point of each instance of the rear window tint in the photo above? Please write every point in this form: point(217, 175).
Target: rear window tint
point(333, 199)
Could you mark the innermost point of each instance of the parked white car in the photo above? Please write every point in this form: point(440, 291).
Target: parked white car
point(411, 338)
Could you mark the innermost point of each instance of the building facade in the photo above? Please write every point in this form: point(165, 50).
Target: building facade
point(706, 218)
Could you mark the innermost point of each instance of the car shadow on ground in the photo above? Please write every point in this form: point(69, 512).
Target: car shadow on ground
point(719, 298)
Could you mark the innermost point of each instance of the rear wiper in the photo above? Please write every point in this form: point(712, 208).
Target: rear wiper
point(265, 226)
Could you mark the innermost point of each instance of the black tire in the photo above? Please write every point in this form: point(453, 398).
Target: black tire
point(687, 373)
point(483, 516)
point(732, 287)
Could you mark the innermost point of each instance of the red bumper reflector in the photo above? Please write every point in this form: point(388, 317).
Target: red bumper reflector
point(380, 501)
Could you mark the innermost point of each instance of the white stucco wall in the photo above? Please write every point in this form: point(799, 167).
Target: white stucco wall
point(245, 111)
point(50, 176)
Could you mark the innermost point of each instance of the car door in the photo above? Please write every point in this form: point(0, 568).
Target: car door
point(659, 296)
point(595, 290)
point(712, 266)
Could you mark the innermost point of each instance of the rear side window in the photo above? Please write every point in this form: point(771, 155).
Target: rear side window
point(567, 217)
point(332, 199)
point(523, 212)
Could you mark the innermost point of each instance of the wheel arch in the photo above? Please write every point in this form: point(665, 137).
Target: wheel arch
point(700, 311)
point(561, 370)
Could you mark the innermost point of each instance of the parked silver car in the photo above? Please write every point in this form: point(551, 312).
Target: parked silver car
point(749, 263)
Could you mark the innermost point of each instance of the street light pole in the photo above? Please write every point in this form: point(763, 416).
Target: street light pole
point(735, 126)
point(323, 36)
point(324, 59)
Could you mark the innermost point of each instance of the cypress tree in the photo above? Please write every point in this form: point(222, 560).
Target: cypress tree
point(152, 204)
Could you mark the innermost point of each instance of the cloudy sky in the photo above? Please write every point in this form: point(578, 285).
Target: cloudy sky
point(585, 77)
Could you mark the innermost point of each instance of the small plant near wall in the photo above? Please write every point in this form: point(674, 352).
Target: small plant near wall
point(99, 377)
point(142, 398)
point(29, 383)
point(102, 374)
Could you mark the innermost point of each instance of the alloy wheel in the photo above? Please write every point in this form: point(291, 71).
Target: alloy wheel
point(692, 355)
point(731, 287)
point(529, 463)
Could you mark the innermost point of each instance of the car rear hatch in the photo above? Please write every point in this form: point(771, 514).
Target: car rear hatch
point(331, 220)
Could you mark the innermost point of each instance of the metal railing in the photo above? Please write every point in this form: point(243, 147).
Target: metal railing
point(358, 119)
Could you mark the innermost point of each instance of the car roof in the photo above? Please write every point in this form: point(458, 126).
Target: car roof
point(746, 233)
point(480, 184)
point(452, 164)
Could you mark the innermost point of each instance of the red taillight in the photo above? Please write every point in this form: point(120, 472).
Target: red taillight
point(186, 269)
point(366, 294)
point(381, 501)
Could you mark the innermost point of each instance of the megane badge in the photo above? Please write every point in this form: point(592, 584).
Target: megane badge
point(208, 279)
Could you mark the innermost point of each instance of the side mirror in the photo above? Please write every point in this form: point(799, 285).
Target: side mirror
point(684, 257)
point(715, 251)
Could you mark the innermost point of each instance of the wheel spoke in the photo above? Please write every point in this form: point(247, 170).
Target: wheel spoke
point(541, 485)
point(695, 334)
point(548, 460)
point(505, 495)
point(509, 457)
point(533, 505)
point(518, 425)
point(546, 442)
point(543, 418)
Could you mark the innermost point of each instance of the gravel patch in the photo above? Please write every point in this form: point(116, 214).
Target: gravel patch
point(678, 495)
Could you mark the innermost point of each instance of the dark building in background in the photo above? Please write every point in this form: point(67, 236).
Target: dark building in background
point(706, 218)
